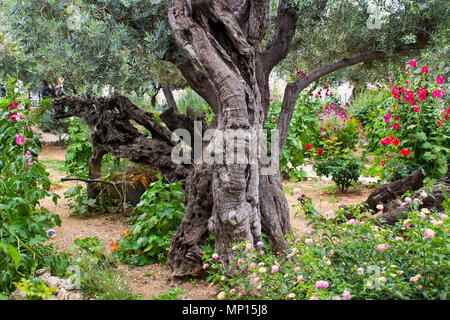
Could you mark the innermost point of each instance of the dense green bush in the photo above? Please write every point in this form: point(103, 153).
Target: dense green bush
point(155, 220)
point(79, 150)
point(24, 183)
point(343, 169)
point(41, 116)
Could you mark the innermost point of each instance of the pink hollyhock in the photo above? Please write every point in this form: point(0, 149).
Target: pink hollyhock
point(409, 96)
point(28, 156)
point(396, 93)
point(437, 94)
point(440, 80)
point(12, 116)
point(396, 126)
point(424, 70)
point(13, 105)
point(413, 63)
point(386, 141)
point(422, 93)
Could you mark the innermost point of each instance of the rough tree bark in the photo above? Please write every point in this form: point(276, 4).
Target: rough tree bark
point(220, 47)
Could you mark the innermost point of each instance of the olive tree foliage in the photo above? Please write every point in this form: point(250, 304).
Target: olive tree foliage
point(86, 45)
point(225, 50)
point(127, 44)
point(401, 29)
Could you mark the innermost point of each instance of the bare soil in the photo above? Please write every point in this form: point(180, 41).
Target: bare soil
point(152, 280)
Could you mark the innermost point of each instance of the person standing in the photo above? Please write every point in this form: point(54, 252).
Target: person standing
point(59, 86)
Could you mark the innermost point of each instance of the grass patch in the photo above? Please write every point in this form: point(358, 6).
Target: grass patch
point(55, 165)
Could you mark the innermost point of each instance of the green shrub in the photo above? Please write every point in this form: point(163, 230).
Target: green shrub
point(79, 150)
point(301, 130)
point(343, 169)
point(34, 289)
point(189, 98)
point(155, 220)
point(41, 116)
point(347, 259)
point(24, 183)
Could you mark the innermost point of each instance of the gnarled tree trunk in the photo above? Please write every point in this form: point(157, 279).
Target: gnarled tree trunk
point(220, 38)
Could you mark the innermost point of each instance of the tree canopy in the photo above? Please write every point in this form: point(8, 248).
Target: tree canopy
point(128, 44)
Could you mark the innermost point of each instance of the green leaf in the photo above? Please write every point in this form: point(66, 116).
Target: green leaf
point(12, 252)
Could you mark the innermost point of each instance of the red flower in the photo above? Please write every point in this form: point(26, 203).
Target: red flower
point(396, 93)
point(424, 69)
point(405, 152)
point(386, 141)
point(413, 63)
point(396, 142)
point(383, 163)
point(319, 151)
point(13, 105)
point(309, 146)
point(396, 126)
point(409, 96)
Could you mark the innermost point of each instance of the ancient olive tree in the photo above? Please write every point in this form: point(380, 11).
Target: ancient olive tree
point(226, 50)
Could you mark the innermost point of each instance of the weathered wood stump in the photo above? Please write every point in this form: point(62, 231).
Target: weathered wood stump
point(387, 195)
